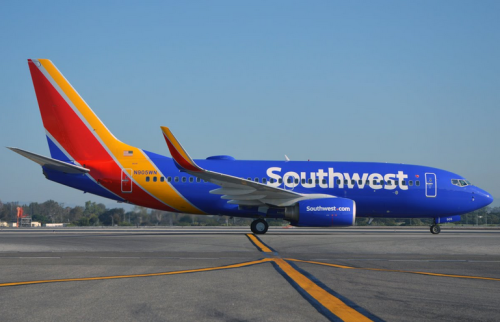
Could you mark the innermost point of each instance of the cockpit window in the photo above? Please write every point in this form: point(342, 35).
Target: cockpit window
point(461, 182)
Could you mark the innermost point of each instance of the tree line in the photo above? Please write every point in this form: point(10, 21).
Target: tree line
point(96, 214)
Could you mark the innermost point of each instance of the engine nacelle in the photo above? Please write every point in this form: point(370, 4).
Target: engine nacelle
point(326, 212)
point(442, 220)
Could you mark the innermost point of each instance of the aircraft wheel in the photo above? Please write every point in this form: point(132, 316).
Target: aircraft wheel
point(259, 226)
point(435, 229)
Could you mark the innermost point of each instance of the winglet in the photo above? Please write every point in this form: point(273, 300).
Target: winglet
point(181, 158)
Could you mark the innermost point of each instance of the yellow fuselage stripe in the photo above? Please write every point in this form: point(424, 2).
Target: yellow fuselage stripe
point(396, 270)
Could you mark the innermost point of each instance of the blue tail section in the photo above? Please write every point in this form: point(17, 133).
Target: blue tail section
point(56, 153)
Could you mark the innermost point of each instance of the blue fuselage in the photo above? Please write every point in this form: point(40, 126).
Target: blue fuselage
point(379, 189)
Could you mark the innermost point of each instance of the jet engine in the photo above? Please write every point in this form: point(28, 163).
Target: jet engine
point(325, 212)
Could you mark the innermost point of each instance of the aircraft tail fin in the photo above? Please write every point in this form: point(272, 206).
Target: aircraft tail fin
point(74, 132)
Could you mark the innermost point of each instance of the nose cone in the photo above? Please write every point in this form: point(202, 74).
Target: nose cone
point(482, 198)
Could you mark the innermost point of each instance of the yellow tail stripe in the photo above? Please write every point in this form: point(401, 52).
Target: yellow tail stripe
point(164, 192)
point(83, 108)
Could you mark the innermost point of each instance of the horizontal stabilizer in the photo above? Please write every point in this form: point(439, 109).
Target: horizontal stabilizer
point(50, 163)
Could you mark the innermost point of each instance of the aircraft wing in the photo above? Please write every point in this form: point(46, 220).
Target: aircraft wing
point(236, 190)
point(50, 163)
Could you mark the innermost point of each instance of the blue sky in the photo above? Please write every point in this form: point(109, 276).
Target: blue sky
point(392, 81)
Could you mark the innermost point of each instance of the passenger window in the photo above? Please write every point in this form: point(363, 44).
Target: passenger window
point(198, 180)
point(338, 181)
point(368, 182)
point(169, 179)
point(410, 182)
point(154, 179)
point(389, 182)
point(183, 179)
point(249, 179)
point(147, 179)
point(256, 179)
point(289, 180)
point(310, 181)
point(317, 181)
point(403, 183)
point(417, 182)
point(353, 182)
point(324, 181)
point(303, 181)
point(396, 182)
point(264, 180)
point(191, 179)
point(296, 181)
point(162, 179)
point(346, 182)
point(272, 180)
point(280, 181)
point(176, 179)
point(360, 181)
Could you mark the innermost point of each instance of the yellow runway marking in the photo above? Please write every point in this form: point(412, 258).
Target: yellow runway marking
point(138, 275)
point(396, 270)
point(259, 244)
point(330, 302)
point(327, 300)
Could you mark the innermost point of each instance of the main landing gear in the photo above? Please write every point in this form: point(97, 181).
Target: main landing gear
point(259, 226)
point(435, 229)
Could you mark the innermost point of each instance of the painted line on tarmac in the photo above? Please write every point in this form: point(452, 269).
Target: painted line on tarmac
point(264, 260)
point(404, 260)
point(259, 244)
point(322, 299)
point(329, 305)
point(396, 270)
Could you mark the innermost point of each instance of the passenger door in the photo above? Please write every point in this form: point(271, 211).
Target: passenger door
point(430, 185)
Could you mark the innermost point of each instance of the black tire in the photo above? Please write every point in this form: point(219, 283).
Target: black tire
point(259, 226)
point(435, 229)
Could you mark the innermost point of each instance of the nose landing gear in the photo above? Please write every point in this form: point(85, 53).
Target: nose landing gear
point(259, 226)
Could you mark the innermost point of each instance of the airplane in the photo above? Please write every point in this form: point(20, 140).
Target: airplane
point(85, 155)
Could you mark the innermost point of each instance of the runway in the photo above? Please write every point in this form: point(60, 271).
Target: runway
point(187, 274)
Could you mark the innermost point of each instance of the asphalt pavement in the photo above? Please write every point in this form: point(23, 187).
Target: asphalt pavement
point(231, 275)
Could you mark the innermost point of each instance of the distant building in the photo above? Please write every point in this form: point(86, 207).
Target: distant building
point(36, 224)
point(13, 224)
point(55, 225)
point(4, 224)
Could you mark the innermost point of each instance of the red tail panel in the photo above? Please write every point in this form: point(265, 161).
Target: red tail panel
point(69, 130)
